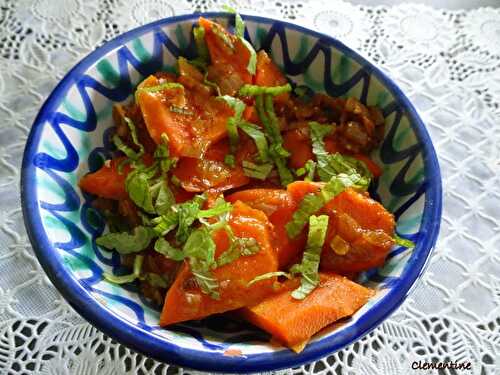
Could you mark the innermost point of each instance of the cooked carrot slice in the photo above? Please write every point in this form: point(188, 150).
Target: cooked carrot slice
point(107, 182)
point(294, 322)
point(191, 121)
point(211, 172)
point(185, 301)
point(369, 213)
point(197, 175)
point(278, 205)
point(299, 143)
point(229, 58)
point(268, 74)
point(299, 189)
point(360, 233)
point(250, 114)
point(266, 200)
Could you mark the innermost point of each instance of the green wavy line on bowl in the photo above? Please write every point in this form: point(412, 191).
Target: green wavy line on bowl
point(78, 115)
point(415, 180)
point(108, 72)
point(260, 36)
point(51, 149)
point(382, 97)
point(141, 52)
point(75, 264)
point(51, 221)
point(303, 50)
point(48, 184)
point(181, 39)
point(399, 139)
point(341, 71)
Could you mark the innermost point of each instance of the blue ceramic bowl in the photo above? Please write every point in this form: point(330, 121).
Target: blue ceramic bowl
point(70, 136)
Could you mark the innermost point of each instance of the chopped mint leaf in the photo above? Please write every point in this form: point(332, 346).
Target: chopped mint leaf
point(269, 275)
point(332, 164)
point(137, 186)
point(257, 171)
point(127, 243)
point(232, 123)
point(403, 242)
point(162, 86)
point(126, 278)
point(163, 247)
point(200, 248)
point(314, 202)
point(309, 266)
point(258, 137)
point(254, 90)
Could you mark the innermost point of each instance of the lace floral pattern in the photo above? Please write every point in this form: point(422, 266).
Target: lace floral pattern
point(448, 63)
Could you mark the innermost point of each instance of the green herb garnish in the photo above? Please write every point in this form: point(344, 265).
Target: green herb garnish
point(254, 90)
point(163, 247)
point(162, 86)
point(309, 266)
point(309, 170)
point(314, 202)
point(403, 241)
point(232, 122)
point(200, 248)
point(126, 278)
point(332, 164)
point(265, 110)
point(258, 137)
point(125, 242)
point(258, 171)
point(269, 275)
point(203, 57)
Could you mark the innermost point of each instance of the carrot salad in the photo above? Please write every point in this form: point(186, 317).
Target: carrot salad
point(234, 189)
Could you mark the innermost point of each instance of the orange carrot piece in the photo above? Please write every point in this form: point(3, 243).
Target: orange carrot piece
point(266, 200)
point(228, 62)
point(300, 146)
point(294, 322)
point(202, 121)
point(268, 74)
point(211, 172)
point(197, 175)
point(279, 207)
point(250, 114)
point(299, 189)
point(185, 301)
point(107, 182)
point(369, 213)
point(365, 225)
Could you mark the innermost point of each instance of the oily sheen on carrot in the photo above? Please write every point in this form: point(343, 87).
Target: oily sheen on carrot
point(294, 322)
point(185, 301)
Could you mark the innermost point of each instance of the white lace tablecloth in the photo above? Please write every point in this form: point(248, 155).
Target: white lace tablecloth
point(447, 62)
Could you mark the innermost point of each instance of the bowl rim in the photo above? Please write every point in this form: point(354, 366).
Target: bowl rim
point(145, 342)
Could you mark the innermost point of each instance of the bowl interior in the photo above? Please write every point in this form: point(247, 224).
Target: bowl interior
point(72, 136)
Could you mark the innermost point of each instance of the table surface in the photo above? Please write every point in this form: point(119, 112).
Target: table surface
point(448, 63)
